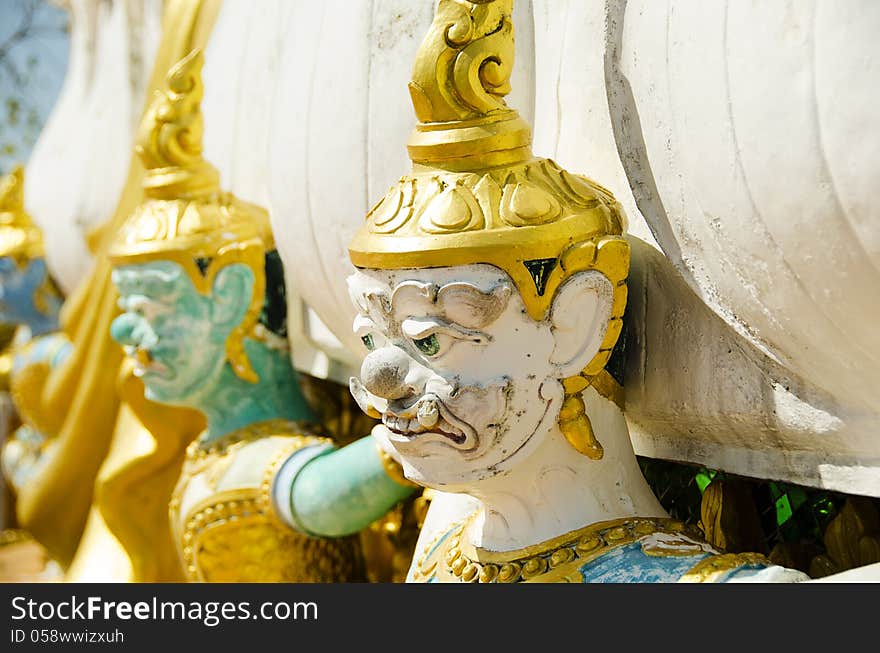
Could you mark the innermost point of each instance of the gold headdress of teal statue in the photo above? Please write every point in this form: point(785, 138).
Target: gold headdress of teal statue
point(477, 194)
point(185, 217)
point(20, 238)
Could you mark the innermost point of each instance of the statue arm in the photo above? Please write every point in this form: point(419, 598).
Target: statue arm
point(28, 447)
point(329, 492)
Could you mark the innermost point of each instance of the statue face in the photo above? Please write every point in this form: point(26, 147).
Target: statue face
point(168, 327)
point(460, 373)
point(19, 290)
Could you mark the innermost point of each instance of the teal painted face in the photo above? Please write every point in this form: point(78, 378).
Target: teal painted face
point(19, 290)
point(177, 335)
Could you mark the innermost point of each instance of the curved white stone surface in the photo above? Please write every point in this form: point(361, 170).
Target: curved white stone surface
point(760, 139)
point(747, 135)
point(242, 69)
point(79, 164)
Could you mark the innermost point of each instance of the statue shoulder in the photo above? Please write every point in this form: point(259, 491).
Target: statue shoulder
point(241, 463)
point(225, 525)
point(243, 458)
point(32, 362)
point(636, 550)
point(741, 568)
point(257, 461)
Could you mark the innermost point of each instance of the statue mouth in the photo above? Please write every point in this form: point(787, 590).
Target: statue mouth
point(146, 364)
point(411, 428)
point(428, 415)
point(423, 420)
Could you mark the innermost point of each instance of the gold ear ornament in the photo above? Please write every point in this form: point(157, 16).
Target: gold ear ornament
point(20, 238)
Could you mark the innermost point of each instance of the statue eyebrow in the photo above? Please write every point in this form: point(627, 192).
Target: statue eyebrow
point(471, 306)
point(417, 328)
point(459, 302)
point(375, 306)
point(152, 282)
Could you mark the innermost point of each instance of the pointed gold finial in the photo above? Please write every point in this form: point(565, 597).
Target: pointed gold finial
point(12, 191)
point(169, 139)
point(185, 217)
point(461, 75)
point(19, 236)
point(476, 193)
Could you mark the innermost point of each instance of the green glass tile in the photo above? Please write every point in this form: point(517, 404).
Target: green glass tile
point(783, 510)
point(703, 481)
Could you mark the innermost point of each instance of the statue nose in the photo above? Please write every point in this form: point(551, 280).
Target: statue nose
point(384, 373)
point(122, 329)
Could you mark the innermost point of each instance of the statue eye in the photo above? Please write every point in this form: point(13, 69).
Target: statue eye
point(368, 341)
point(429, 345)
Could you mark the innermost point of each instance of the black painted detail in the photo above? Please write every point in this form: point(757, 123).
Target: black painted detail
point(274, 313)
point(540, 269)
point(203, 262)
point(616, 364)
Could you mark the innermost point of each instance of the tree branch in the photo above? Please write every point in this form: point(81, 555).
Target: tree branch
point(27, 28)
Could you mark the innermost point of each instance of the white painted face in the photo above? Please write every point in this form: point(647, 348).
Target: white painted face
point(466, 382)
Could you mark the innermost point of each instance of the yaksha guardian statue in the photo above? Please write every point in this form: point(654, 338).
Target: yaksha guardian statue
point(30, 303)
point(202, 290)
point(28, 295)
point(490, 289)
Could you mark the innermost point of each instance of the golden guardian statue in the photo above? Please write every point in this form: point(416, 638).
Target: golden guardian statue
point(263, 495)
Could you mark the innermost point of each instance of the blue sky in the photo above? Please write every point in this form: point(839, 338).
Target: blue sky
point(47, 47)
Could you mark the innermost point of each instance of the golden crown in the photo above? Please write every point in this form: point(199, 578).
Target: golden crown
point(477, 194)
point(185, 217)
point(20, 238)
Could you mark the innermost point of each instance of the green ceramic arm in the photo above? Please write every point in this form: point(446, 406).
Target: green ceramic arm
point(331, 492)
point(27, 450)
point(51, 348)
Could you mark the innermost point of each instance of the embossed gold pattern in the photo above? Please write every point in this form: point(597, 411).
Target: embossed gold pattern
point(556, 560)
point(231, 539)
point(264, 501)
point(530, 211)
point(234, 534)
point(713, 568)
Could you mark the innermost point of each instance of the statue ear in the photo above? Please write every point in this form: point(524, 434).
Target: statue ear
point(579, 316)
point(231, 295)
